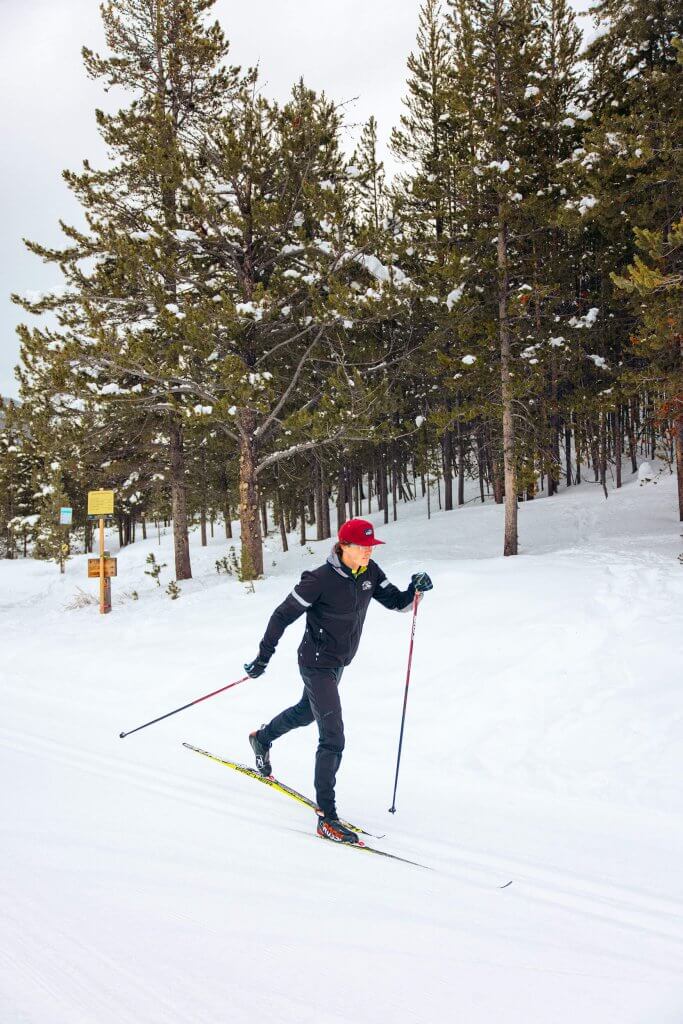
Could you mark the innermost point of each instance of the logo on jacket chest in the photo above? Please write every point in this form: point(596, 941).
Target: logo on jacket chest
point(366, 585)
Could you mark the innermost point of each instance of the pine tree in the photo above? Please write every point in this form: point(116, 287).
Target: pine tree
point(421, 140)
point(655, 279)
point(368, 197)
point(49, 496)
point(552, 251)
point(290, 288)
point(429, 208)
point(634, 164)
point(120, 325)
point(16, 472)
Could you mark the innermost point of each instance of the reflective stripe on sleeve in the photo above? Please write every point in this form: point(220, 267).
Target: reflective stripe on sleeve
point(306, 604)
point(384, 583)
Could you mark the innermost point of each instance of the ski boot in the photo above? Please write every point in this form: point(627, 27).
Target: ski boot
point(261, 753)
point(330, 827)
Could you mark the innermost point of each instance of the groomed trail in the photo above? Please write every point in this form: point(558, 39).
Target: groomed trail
point(544, 746)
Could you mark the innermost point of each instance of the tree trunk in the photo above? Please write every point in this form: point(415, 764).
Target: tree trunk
point(447, 450)
point(618, 444)
point(461, 466)
point(481, 461)
point(202, 527)
point(302, 531)
point(327, 529)
point(497, 481)
point(378, 484)
point(384, 491)
point(554, 469)
point(227, 516)
point(678, 430)
point(181, 541)
point(252, 543)
point(510, 541)
point(318, 501)
point(632, 436)
point(594, 450)
point(603, 452)
point(340, 499)
point(283, 531)
point(568, 454)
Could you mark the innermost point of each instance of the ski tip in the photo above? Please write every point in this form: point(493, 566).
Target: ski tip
point(506, 885)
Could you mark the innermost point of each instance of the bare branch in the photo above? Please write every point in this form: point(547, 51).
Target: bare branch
point(259, 433)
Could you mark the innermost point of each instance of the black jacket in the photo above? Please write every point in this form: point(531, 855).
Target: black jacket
point(336, 603)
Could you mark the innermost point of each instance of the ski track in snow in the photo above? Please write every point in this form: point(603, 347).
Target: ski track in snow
point(543, 746)
point(592, 897)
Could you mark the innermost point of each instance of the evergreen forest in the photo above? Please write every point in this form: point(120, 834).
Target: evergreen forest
point(259, 323)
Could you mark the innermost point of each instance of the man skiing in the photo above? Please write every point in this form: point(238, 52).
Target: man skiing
point(335, 598)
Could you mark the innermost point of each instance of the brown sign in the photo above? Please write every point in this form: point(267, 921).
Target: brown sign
point(94, 567)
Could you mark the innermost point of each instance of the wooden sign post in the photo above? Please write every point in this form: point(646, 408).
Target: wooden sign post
point(101, 505)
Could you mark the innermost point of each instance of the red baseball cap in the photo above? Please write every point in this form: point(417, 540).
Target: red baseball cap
point(358, 531)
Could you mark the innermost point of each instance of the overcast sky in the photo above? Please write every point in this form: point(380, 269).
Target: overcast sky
point(351, 49)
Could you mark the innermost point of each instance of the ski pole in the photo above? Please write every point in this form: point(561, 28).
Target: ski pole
point(197, 701)
point(416, 602)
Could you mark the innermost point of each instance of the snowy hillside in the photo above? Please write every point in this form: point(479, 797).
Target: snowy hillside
point(143, 884)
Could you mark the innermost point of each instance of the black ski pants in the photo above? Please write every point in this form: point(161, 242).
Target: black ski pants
point(320, 701)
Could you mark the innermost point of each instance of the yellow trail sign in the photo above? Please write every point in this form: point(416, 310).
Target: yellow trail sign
point(100, 503)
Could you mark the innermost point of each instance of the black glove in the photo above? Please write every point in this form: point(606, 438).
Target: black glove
point(256, 668)
point(421, 582)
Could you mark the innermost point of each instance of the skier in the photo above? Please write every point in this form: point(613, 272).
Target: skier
point(335, 597)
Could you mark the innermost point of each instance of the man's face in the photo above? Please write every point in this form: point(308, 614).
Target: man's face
point(357, 555)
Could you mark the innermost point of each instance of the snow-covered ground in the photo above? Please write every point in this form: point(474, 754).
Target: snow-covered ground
point(142, 883)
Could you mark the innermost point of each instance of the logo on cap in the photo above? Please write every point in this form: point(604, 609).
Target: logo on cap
point(358, 531)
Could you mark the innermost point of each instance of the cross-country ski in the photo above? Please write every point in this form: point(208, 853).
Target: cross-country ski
point(273, 783)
